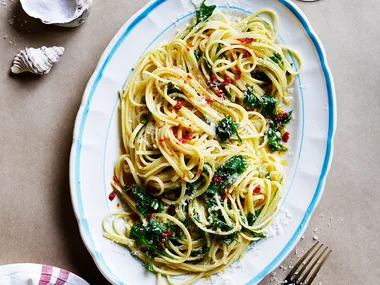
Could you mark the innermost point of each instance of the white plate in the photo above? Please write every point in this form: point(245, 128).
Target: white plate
point(96, 136)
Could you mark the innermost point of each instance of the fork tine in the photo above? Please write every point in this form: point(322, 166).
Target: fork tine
point(289, 276)
point(308, 262)
point(302, 281)
point(315, 273)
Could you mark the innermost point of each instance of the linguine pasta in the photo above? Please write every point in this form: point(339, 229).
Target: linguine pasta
point(201, 123)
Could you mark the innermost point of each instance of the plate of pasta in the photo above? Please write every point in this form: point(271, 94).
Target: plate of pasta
point(203, 142)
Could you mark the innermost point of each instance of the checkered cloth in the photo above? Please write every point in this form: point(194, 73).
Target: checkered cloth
point(37, 274)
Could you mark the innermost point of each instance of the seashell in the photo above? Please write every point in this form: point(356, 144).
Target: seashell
point(38, 61)
point(66, 13)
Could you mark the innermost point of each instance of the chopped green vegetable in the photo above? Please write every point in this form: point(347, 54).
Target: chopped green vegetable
point(277, 58)
point(173, 88)
point(196, 217)
point(150, 262)
point(228, 94)
point(255, 234)
point(218, 48)
point(226, 175)
point(146, 120)
point(253, 217)
point(204, 12)
point(146, 203)
point(197, 55)
point(268, 106)
point(217, 223)
point(154, 237)
point(250, 99)
point(260, 75)
point(251, 220)
point(274, 132)
point(200, 251)
point(208, 65)
point(149, 236)
point(274, 138)
point(226, 128)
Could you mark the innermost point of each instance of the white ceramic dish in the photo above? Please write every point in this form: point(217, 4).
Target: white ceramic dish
point(96, 135)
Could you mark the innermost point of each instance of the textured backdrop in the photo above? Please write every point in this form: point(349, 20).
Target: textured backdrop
point(37, 223)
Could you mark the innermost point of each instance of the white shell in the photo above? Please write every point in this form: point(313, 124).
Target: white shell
point(67, 13)
point(38, 61)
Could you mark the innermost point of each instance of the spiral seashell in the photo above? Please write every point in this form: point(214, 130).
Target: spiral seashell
point(38, 61)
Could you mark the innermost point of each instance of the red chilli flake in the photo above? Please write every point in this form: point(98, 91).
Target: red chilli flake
point(116, 180)
point(167, 234)
point(238, 73)
point(178, 106)
point(257, 189)
point(189, 76)
point(281, 117)
point(112, 196)
point(134, 218)
point(220, 93)
point(246, 53)
point(227, 80)
point(209, 100)
point(246, 40)
point(285, 137)
point(149, 215)
point(213, 79)
point(217, 179)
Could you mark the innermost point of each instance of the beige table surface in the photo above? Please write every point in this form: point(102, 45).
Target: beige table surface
point(37, 115)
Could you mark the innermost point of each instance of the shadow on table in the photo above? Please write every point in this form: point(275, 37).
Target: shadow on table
point(80, 260)
point(80, 257)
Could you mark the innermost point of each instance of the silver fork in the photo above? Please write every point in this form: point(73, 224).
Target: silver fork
point(295, 276)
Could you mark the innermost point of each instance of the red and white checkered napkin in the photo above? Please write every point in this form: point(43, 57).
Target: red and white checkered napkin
point(37, 274)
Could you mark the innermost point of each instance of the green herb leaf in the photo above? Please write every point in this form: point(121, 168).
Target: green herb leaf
point(173, 88)
point(228, 94)
point(150, 262)
point(254, 234)
point(277, 58)
point(226, 128)
point(204, 12)
point(197, 55)
point(274, 132)
point(208, 65)
point(260, 75)
point(226, 175)
point(250, 99)
point(154, 237)
point(268, 106)
point(196, 217)
point(274, 138)
point(200, 251)
point(146, 121)
point(146, 203)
